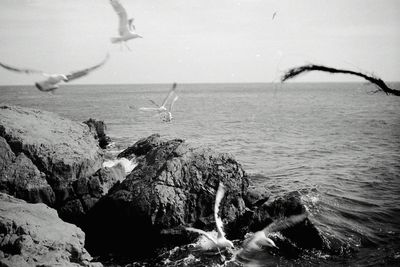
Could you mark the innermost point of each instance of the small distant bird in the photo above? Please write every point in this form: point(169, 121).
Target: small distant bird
point(220, 242)
point(260, 239)
point(162, 110)
point(126, 30)
point(274, 15)
point(53, 80)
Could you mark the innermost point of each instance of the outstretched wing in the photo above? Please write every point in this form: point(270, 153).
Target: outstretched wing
point(285, 223)
point(202, 233)
point(122, 15)
point(218, 198)
point(149, 109)
point(172, 103)
point(171, 91)
point(26, 71)
point(77, 74)
point(152, 101)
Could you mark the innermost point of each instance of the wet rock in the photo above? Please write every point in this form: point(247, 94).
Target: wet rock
point(173, 184)
point(98, 128)
point(33, 235)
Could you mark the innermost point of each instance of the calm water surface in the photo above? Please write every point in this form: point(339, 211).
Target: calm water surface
point(335, 143)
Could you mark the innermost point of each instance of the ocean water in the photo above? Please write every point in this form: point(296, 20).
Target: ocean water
point(337, 144)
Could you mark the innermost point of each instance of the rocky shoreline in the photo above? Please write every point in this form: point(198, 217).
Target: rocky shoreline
point(52, 168)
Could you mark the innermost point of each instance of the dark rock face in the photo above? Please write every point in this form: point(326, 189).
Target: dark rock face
point(98, 129)
point(33, 235)
point(141, 147)
point(173, 185)
point(46, 158)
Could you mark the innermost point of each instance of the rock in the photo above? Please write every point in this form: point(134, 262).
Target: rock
point(33, 235)
point(98, 129)
point(141, 147)
point(20, 177)
point(173, 184)
point(305, 235)
point(52, 160)
point(256, 195)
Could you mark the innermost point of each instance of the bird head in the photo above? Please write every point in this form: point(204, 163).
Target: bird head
point(270, 243)
point(227, 243)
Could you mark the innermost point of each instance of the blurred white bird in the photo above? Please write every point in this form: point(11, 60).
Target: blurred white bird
point(166, 114)
point(220, 242)
point(126, 29)
point(260, 239)
point(52, 81)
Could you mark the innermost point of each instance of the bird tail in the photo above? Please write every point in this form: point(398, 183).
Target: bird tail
point(115, 40)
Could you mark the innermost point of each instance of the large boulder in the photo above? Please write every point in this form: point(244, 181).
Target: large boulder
point(173, 184)
point(33, 235)
point(51, 159)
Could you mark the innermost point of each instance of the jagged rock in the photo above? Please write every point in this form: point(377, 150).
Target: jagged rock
point(256, 196)
point(33, 235)
point(48, 159)
point(20, 177)
point(98, 129)
point(141, 147)
point(174, 184)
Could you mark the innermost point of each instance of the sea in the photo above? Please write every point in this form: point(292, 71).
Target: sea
point(337, 144)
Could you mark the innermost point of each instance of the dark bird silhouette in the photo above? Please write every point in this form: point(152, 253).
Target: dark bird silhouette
point(293, 72)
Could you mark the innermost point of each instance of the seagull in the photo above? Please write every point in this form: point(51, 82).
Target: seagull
point(168, 114)
point(52, 81)
point(220, 242)
point(260, 239)
point(126, 28)
point(162, 110)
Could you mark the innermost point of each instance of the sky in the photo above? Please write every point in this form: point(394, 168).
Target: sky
point(200, 41)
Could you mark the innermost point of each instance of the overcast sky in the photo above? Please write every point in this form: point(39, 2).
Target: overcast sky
point(201, 40)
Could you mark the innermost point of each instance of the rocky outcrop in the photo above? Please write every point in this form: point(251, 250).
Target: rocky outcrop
point(174, 184)
point(141, 147)
point(46, 158)
point(98, 128)
point(20, 177)
point(33, 235)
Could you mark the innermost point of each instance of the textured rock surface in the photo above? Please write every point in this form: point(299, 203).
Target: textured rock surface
point(98, 128)
point(141, 147)
point(173, 185)
point(33, 235)
point(52, 160)
point(20, 177)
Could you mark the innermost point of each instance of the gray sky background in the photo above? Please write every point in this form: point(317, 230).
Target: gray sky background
point(201, 40)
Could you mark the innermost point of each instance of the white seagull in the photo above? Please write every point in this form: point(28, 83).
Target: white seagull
point(52, 81)
point(220, 242)
point(126, 30)
point(162, 110)
point(260, 239)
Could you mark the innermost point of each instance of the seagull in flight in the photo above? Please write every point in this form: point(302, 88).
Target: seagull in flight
point(52, 81)
point(162, 110)
point(260, 239)
point(220, 242)
point(126, 30)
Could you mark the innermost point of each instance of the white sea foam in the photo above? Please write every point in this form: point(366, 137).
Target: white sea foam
point(127, 164)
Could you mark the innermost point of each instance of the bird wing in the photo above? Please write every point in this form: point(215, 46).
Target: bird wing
point(285, 223)
point(169, 94)
point(172, 103)
point(77, 74)
point(153, 102)
point(202, 233)
point(26, 71)
point(122, 15)
point(218, 198)
point(131, 25)
point(149, 109)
